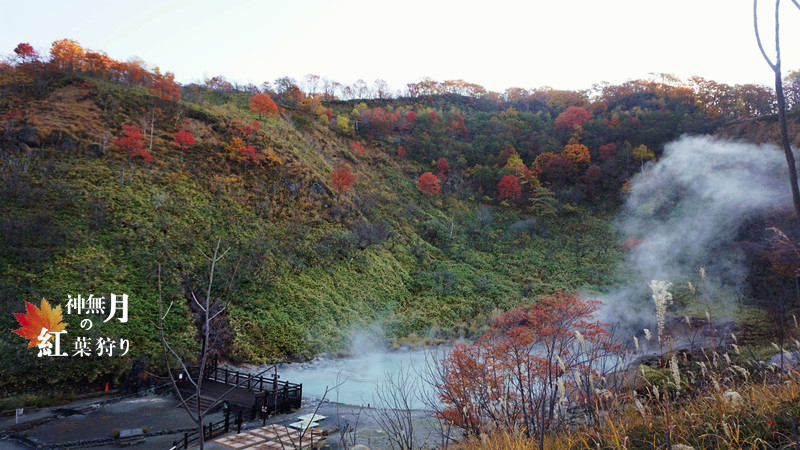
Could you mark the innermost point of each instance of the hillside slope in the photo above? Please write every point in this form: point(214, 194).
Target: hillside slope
point(307, 266)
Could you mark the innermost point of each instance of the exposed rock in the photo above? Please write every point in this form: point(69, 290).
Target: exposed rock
point(28, 136)
point(63, 141)
point(23, 147)
point(97, 149)
point(291, 186)
point(8, 142)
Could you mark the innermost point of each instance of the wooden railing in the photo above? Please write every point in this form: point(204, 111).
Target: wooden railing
point(210, 431)
point(270, 394)
point(250, 382)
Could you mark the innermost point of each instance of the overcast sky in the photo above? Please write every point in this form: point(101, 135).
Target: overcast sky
point(565, 44)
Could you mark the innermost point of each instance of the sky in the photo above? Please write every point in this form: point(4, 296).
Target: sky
point(564, 44)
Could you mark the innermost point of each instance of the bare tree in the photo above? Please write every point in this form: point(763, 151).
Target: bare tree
point(394, 400)
point(431, 375)
point(210, 308)
point(776, 68)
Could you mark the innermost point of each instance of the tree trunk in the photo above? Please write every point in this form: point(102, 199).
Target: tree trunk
point(776, 68)
point(787, 148)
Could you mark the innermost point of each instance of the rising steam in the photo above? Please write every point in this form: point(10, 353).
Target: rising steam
point(688, 208)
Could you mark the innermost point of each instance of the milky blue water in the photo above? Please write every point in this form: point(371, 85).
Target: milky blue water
point(359, 376)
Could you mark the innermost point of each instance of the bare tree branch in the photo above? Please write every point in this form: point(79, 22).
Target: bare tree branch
point(758, 35)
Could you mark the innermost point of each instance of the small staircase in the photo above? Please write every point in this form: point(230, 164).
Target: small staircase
point(205, 402)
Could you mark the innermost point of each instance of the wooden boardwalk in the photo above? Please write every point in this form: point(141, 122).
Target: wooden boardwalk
point(245, 392)
point(274, 437)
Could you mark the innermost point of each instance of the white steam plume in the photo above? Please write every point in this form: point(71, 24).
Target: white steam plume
point(691, 203)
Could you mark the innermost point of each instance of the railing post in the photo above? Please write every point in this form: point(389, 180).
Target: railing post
point(227, 420)
point(239, 423)
point(185, 439)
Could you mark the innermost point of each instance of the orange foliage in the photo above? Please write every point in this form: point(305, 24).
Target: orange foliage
point(533, 364)
point(38, 319)
point(66, 55)
point(577, 153)
point(263, 105)
point(166, 87)
point(428, 184)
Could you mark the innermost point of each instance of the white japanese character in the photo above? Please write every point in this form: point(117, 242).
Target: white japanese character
point(123, 303)
point(105, 345)
point(83, 346)
point(45, 346)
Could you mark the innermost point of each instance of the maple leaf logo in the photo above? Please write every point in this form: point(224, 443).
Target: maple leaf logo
point(36, 319)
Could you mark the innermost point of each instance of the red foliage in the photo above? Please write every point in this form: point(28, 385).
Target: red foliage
point(458, 125)
point(607, 151)
point(434, 117)
point(263, 105)
point(442, 165)
point(249, 130)
point(357, 147)
point(130, 140)
point(25, 51)
point(12, 115)
point(411, 116)
point(428, 184)
point(508, 188)
point(343, 179)
point(593, 175)
point(146, 155)
point(249, 152)
point(184, 139)
point(328, 113)
point(401, 151)
point(571, 117)
point(631, 244)
point(558, 169)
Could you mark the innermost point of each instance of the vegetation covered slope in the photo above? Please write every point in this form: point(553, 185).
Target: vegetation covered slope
point(307, 264)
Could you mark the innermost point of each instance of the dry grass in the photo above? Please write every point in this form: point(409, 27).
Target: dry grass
point(731, 413)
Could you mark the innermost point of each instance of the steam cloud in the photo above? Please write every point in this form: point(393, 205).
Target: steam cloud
point(689, 205)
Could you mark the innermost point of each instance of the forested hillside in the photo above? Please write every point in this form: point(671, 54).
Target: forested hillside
point(415, 218)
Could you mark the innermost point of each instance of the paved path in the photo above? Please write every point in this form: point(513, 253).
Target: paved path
point(158, 413)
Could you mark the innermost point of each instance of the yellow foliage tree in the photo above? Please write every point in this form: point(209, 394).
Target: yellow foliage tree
point(343, 122)
point(642, 153)
point(271, 158)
